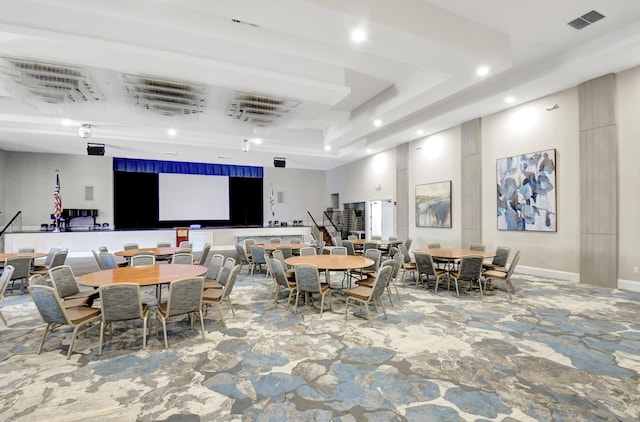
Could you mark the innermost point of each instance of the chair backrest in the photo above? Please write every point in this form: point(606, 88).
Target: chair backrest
point(393, 251)
point(388, 263)
point(383, 278)
point(477, 247)
point(307, 278)
point(513, 264)
point(374, 254)
point(242, 254)
point(275, 240)
point(228, 287)
point(103, 249)
point(338, 250)
point(295, 240)
point(163, 244)
point(277, 254)
point(129, 246)
point(376, 237)
point(225, 273)
point(185, 245)
point(258, 255)
point(350, 249)
point(424, 263)
point(320, 247)
point(108, 260)
point(38, 280)
point(182, 258)
point(399, 258)
point(405, 253)
point(50, 254)
point(470, 267)
point(337, 241)
point(215, 265)
point(26, 249)
point(352, 237)
point(64, 280)
point(277, 272)
point(120, 301)
point(5, 278)
point(408, 243)
point(142, 259)
point(49, 304)
point(185, 296)
point(59, 258)
point(21, 265)
point(248, 243)
point(204, 254)
point(370, 245)
point(309, 250)
point(433, 246)
point(98, 259)
point(286, 251)
point(502, 255)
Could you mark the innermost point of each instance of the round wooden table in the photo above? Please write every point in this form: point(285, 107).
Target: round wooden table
point(454, 253)
point(332, 262)
point(4, 256)
point(156, 251)
point(270, 247)
point(144, 275)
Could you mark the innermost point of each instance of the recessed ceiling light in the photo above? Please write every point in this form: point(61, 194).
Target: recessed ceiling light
point(482, 71)
point(420, 132)
point(509, 100)
point(369, 151)
point(257, 141)
point(327, 147)
point(67, 122)
point(377, 122)
point(358, 36)
point(172, 132)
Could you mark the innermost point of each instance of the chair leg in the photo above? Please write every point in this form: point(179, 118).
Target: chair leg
point(73, 341)
point(44, 336)
point(295, 308)
point(219, 308)
point(102, 325)
point(346, 308)
point(389, 294)
point(290, 296)
point(145, 323)
point(384, 311)
point(366, 307)
point(3, 320)
point(201, 322)
point(457, 290)
point(321, 304)
point(233, 311)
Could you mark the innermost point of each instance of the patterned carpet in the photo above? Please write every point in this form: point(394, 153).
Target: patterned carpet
point(558, 351)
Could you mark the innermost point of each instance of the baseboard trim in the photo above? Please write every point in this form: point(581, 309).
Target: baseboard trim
point(630, 285)
point(545, 272)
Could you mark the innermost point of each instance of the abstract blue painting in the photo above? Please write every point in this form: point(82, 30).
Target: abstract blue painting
point(433, 205)
point(527, 192)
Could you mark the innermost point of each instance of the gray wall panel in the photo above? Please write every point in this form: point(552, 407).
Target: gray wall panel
point(471, 183)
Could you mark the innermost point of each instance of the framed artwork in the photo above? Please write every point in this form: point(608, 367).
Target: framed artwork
point(527, 192)
point(433, 204)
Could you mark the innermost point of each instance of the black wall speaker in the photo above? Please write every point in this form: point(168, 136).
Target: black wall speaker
point(95, 149)
point(279, 162)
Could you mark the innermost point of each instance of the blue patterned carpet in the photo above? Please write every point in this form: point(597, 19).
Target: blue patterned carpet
point(557, 352)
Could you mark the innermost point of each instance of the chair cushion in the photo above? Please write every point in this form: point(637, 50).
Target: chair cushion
point(212, 284)
point(368, 282)
point(494, 267)
point(499, 275)
point(212, 295)
point(360, 292)
point(80, 314)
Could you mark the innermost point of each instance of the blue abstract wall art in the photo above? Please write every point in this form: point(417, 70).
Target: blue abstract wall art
point(527, 192)
point(433, 204)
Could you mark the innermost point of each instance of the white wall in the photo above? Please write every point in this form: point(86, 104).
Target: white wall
point(503, 137)
point(628, 94)
point(3, 181)
point(438, 159)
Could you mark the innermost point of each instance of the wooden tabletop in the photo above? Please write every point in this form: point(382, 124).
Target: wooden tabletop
point(453, 253)
point(156, 251)
point(376, 241)
point(144, 275)
point(332, 262)
point(274, 246)
point(4, 256)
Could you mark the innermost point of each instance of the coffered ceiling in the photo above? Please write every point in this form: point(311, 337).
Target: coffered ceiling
point(285, 74)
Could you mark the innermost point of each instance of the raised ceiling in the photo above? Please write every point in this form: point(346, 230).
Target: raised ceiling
point(285, 71)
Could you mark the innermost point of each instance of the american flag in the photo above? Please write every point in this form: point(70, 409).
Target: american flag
point(273, 211)
point(57, 199)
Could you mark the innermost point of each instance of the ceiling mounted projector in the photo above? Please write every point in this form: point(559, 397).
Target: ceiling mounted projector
point(85, 131)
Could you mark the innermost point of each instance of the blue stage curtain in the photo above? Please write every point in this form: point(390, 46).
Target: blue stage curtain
point(136, 165)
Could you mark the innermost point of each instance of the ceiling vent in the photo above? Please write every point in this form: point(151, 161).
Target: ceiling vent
point(586, 19)
point(168, 98)
point(49, 83)
point(261, 110)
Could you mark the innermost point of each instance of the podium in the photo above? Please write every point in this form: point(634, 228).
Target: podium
point(182, 235)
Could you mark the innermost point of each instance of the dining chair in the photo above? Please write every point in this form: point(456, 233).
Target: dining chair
point(217, 296)
point(243, 258)
point(96, 255)
point(55, 314)
point(281, 281)
point(7, 272)
point(308, 282)
point(275, 240)
point(349, 245)
point(108, 260)
point(59, 259)
point(248, 243)
point(363, 296)
point(204, 254)
point(427, 268)
point(477, 247)
point(122, 302)
point(103, 249)
point(258, 257)
point(21, 271)
point(185, 245)
point(338, 250)
point(185, 298)
point(308, 250)
point(181, 258)
point(64, 281)
point(287, 252)
point(499, 261)
point(163, 245)
point(211, 278)
point(130, 246)
point(369, 281)
point(469, 270)
point(26, 249)
point(47, 261)
point(408, 265)
point(38, 280)
point(142, 259)
point(295, 240)
point(490, 275)
point(289, 273)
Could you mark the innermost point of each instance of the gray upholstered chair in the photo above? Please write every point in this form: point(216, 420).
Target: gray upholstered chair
point(499, 261)
point(38, 280)
point(349, 245)
point(372, 269)
point(352, 237)
point(204, 254)
point(225, 272)
point(185, 298)
point(47, 261)
point(369, 245)
point(338, 250)
point(103, 249)
point(163, 245)
point(277, 254)
point(243, 259)
point(186, 245)
point(55, 314)
point(286, 251)
point(130, 246)
point(369, 281)
point(408, 265)
point(427, 270)
point(295, 240)
point(281, 281)
point(108, 260)
point(275, 240)
point(258, 257)
point(308, 282)
point(363, 296)
point(181, 258)
point(7, 272)
point(122, 302)
point(96, 255)
point(309, 250)
point(217, 296)
point(248, 243)
point(490, 275)
point(59, 259)
point(26, 249)
point(477, 247)
point(408, 243)
point(64, 281)
point(211, 278)
point(469, 270)
point(142, 259)
point(21, 271)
